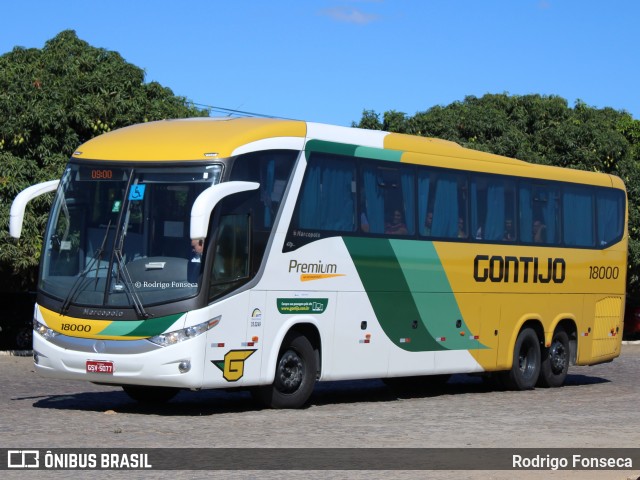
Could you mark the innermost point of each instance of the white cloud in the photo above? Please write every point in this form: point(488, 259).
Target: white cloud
point(349, 15)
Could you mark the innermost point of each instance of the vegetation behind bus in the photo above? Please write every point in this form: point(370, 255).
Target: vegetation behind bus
point(52, 100)
point(539, 129)
point(55, 98)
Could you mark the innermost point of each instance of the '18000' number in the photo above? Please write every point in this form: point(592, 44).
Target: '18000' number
point(72, 327)
point(603, 273)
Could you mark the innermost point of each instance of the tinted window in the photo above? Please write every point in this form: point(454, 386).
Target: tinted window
point(387, 200)
point(327, 197)
point(578, 221)
point(610, 211)
point(493, 208)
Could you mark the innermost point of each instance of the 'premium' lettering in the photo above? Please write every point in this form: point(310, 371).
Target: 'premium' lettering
point(297, 267)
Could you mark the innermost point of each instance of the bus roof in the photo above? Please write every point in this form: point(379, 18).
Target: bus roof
point(197, 139)
point(185, 139)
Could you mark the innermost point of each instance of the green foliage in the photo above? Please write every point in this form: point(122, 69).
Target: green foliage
point(370, 120)
point(52, 100)
point(539, 129)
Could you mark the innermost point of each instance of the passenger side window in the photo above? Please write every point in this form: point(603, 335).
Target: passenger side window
point(578, 209)
point(610, 206)
point(447, 192)
point(493, 209)
point(539, 213)
point(271, 169)
point(387, 203)
point(327, 197)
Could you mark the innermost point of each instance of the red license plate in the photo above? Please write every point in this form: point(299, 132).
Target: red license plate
point(99, 366)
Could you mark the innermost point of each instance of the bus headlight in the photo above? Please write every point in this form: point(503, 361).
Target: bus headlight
point(44, 331)
point(177, 336)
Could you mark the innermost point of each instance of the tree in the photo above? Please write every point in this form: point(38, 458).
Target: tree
point(539, 129)
point(52, 100)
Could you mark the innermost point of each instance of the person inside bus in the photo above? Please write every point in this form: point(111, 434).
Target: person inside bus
point(509, 233)
point(396, 226)
point(364, 222)
point(461, 231)
point(428, 224)
point(539, 232)
point(195, 262)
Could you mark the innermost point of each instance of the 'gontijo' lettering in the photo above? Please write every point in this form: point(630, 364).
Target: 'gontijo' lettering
point(497, 268)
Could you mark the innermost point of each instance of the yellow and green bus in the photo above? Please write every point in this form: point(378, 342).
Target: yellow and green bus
point(270, 254)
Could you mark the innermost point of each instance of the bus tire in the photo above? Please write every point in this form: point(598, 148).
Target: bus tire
point(150, 395)
point(555, 361)
point(295, 375)
point(525, 370)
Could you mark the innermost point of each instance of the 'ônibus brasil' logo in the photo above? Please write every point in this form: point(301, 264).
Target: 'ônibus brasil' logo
point(232, 366)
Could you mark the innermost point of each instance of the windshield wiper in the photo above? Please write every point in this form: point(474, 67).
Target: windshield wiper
point(75, 288)
point(128, 285)
point(123, 271)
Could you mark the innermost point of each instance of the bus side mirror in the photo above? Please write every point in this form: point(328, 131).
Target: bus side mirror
point(16, 217)
point(207, 200)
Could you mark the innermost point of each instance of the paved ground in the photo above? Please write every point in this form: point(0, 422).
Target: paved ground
point(598, 407)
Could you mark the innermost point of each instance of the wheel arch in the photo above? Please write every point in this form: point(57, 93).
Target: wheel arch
point(568, 324)
point(303, 326)
point(535, 323)
point(310, 330)
point(537, 327)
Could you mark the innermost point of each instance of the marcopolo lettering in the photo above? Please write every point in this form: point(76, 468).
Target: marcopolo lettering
point(91, 312)
point(497, 268)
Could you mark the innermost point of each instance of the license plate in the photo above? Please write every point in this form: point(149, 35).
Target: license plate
point(100, 366)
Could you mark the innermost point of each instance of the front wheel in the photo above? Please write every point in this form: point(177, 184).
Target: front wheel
point(295, 375)
point(555, 361)
point(24, 338)
point(525, 370)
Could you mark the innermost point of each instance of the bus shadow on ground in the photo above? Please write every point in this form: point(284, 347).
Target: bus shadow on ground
point(212, 402)
point(377, 391)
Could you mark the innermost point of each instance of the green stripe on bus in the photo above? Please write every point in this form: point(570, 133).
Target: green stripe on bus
point(321, 146)
point(335, 148)
point(379, 154)
point(432, 293)
point(388, 291)
point(143, 328)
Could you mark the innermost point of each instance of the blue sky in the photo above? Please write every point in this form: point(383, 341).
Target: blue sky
point(328, 60)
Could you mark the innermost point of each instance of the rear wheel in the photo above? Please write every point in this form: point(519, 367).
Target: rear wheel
point(295, 375)
point(555, 361)
point(525, 370)
point(150, 395)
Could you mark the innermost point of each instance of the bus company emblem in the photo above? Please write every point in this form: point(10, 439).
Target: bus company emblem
point(519, 269)
point(232, 366)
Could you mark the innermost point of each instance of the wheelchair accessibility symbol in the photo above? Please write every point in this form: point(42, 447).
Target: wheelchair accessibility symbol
point(137, 192)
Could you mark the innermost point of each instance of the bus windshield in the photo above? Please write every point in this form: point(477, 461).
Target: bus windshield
point(120, 236)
